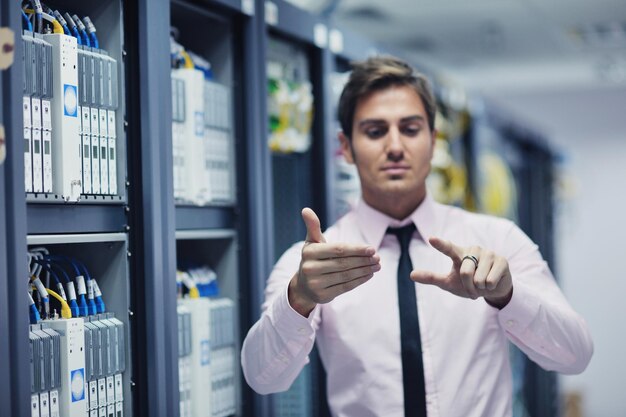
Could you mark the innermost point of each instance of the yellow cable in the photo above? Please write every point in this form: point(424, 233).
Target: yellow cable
point(188, 60)
point(194, 293)
point(56, 26)
point(66, 313)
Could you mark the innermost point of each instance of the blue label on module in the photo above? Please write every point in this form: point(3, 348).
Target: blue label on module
point(205, 353)
point(70, 100)
point(77, 384)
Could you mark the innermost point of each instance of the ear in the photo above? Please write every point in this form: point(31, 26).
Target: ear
point(346, 148)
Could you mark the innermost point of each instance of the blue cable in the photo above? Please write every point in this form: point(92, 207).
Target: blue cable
point(33, 313)
point(72, 26)
point(26, 22)
point(45, 266)
point(86, 41)
point(72, 301)
point(66, 259)
point(77, 36)
point(99, 302)
point(58, 268)
point(81, 28)
point(39, 20)
point(94, 40)
point(91, 29)
point(61, 20)
point(92, 303)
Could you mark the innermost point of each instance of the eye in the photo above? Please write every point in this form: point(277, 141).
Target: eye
point(410, 130)
point(375, 132)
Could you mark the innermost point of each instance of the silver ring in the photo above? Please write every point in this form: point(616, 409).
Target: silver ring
point(471, 258)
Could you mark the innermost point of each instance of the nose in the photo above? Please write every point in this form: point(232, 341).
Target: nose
point(395, 148)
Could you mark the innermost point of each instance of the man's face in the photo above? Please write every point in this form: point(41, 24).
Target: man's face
point(391, 146)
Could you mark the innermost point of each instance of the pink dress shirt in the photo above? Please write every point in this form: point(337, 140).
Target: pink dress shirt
point(464, 341)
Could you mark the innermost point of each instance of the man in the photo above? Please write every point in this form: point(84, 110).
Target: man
point(411, 303)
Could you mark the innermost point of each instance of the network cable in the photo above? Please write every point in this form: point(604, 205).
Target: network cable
point(83, 308)
point(66, 312)
point(93, 288)
point(71, 289)
point(62, 21)
point(73, 28)
point(54, 275)
point(26, 22)
point(33, 313)
point(81, 29)
point(38, 11)
point(187, 280)
point(56, 26)
point(91, 30)
point(43, 293)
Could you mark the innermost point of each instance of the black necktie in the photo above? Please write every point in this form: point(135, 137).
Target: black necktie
point(411, 343)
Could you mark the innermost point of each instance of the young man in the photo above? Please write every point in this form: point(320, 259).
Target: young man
point(411, 303)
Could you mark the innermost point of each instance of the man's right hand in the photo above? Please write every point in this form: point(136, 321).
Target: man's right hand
point(328, 269)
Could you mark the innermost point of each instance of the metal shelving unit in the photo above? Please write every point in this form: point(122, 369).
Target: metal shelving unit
point(145, 227)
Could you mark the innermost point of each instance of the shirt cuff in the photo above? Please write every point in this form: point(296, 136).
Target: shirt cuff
point(521, 310)
point(288, 321)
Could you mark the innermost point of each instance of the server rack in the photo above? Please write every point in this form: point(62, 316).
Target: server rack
point(95, 229)
point(229, 235)
point(144, 225)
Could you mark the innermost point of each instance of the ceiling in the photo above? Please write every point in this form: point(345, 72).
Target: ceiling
point(489, 44)
point(518, 52)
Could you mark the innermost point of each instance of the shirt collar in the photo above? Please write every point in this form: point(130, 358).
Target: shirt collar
point(373, 223)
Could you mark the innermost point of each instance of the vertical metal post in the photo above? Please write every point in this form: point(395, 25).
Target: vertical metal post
point(14, 375)
point(151, 203)
point(257, 202)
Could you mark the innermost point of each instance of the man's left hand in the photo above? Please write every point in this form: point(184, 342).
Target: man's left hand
point(490, 278)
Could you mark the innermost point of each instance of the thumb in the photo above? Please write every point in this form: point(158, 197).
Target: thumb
point(313, 229)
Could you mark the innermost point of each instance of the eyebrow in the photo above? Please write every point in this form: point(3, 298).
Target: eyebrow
point(381, 121)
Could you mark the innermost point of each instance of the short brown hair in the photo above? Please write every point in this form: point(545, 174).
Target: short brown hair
point(379, 73)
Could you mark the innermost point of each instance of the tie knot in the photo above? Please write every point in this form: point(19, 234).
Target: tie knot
point(403, 234)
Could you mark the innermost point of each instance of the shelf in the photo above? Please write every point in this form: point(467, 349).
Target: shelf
point(242, 6)
point(74, 218)
point(51, 198)
point(205, 234)
point(202, 218)
point(238, 6)
point(75, 238)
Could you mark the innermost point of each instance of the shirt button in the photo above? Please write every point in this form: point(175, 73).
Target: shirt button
point(510, 323)
point(301, 330)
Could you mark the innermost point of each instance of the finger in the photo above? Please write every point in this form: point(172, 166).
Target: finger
point(337, 250)
point(313, 228)
point(339, 278)
point(428, 277)
point(339, 289)
point(328, 266)
point(498, 270)
point(467, 270)
point(484, 266)
point(447, 248)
